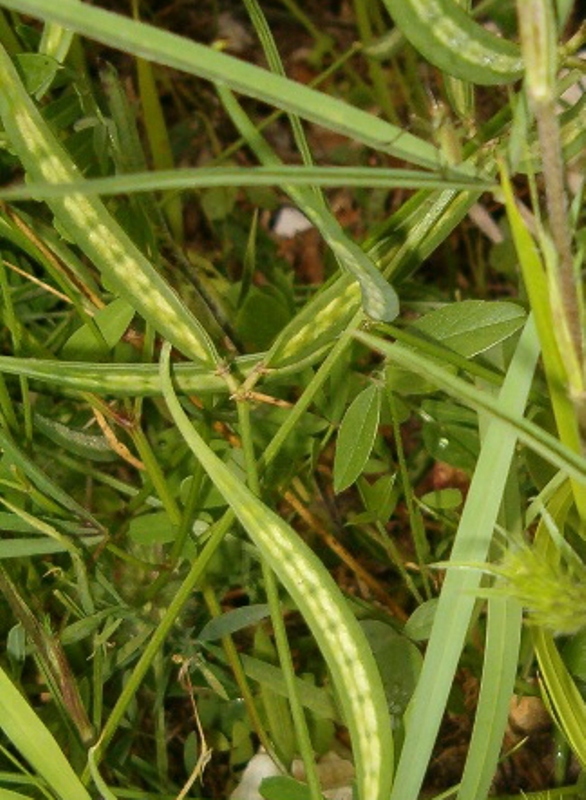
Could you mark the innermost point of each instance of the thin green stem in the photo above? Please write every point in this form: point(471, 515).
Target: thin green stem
point(98, 681)
point(161, 676)
point(156, 475)
point(191, 580)
point(181, 534)
point(286, 662)
point(539, 41)
point(385, 541)
point(188, 515)
point(417, 528)
point(238, 144)
point(233, 657)
point(11, 321)
point(309, 393)
point(380, 81)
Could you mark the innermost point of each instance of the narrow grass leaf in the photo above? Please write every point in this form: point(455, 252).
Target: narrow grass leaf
point(75, 441)
point(42, 526)
point(126, 380)
point(184, 54)
point(7, 794)
point(564, 699)
point(233, 621)
point(536, 285)
point(34, 741)
point(39, 546)
point(55, 42)
point(159, 141)
point(209, 177)
point(457, 599)
point(103, 788)
point(413, 232)
point(379, 299)
point(41, 480)
point(530, 434)
point(503, 636)
point(356, 437)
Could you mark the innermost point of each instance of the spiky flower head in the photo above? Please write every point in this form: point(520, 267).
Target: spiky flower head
point(550, 587)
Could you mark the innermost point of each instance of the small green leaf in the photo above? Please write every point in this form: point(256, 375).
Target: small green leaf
point(284, 788)
point(217, 203)
point(450, 433)
point(261, 317)
point(16, 644)
point(233, 621)
point(152, 529)
point(318, 700)
point(356, 437)
point(399, 662)
point(86, 626)
point(419, 625)
point(380, 499)
point(443, 499)
point(37, 71)
point(109, 324)
point(72, 440)
point(473, 326)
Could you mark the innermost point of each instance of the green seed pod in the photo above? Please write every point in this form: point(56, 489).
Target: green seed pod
point(447, 37)
point(95, 231)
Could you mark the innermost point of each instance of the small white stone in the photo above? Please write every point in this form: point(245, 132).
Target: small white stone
point(288, 222)
point(259, 767)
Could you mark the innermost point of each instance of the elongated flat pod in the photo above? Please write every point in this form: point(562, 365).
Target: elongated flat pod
point(94, 230)
point(126, 380)
point(143, 380)
point(449, 38)
point(414, 232)
point(336, 631)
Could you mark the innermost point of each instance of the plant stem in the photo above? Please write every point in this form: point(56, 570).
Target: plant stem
point(211, 600)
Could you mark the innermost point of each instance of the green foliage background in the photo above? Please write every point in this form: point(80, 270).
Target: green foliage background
point(193, 438)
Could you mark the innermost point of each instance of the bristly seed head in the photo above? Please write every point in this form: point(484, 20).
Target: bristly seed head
point(551, 589)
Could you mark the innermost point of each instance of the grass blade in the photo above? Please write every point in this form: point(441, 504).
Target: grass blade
point(498, 678)
point(457, 598)
point(535, 437)
point(34, 741)
point(175, 51)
